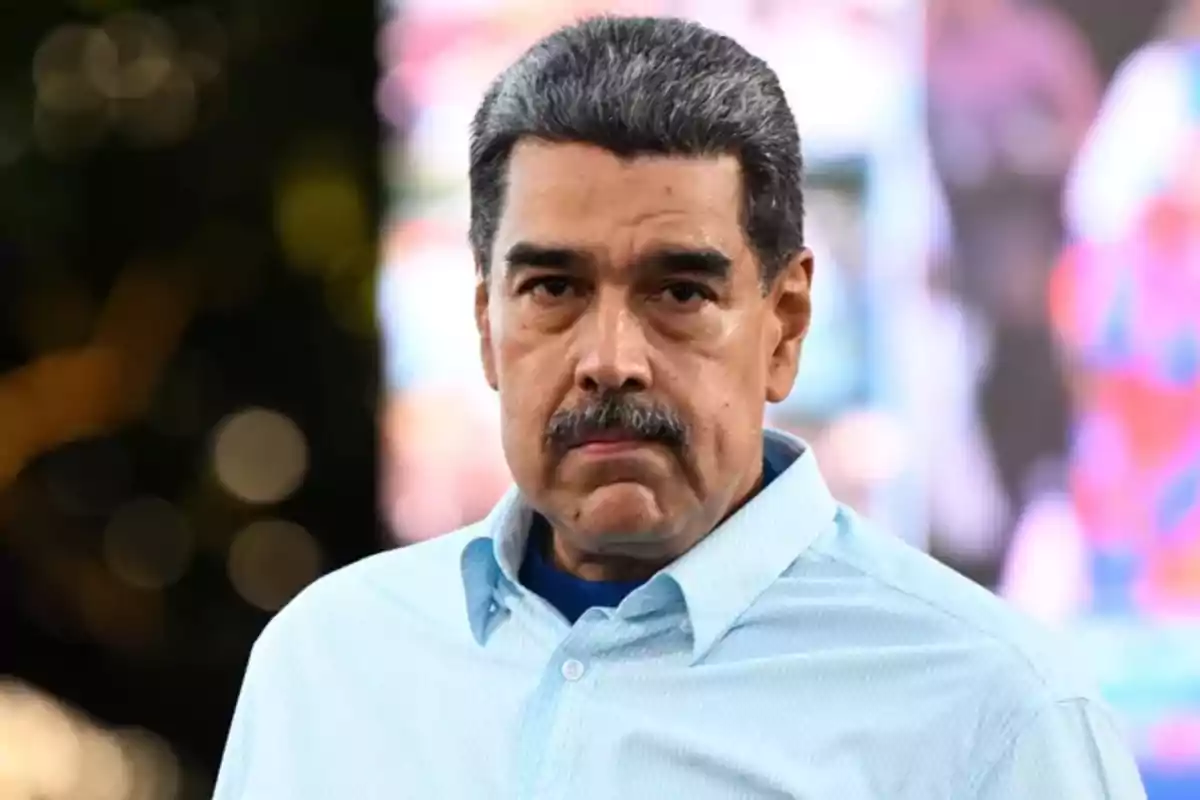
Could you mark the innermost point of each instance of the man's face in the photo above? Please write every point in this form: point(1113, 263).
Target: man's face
point(625, 325)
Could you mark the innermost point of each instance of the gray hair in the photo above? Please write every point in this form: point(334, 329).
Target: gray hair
point(646, 85)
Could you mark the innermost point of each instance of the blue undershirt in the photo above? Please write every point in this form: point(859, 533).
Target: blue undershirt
point(571, 595)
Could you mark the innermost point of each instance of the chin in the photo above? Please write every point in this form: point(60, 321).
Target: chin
point(620, 511)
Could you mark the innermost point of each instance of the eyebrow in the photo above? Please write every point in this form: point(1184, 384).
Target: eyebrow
point(701, 262)
point(527, 254)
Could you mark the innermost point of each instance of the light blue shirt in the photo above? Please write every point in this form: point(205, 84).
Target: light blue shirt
point(794, 653)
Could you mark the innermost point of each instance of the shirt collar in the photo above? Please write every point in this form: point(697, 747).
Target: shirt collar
point(718, 579)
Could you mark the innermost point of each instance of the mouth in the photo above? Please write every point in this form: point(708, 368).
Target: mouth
point(610, 443)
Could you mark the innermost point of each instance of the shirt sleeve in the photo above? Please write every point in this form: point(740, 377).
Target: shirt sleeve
point(1070, 749)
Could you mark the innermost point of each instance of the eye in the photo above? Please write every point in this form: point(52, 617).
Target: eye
point(548, 287)
point(687, 293)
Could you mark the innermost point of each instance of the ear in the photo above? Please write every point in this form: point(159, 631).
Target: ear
point(791, 303)
point(483, 323)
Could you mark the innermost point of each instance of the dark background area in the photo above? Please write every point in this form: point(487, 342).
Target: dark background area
point(1114, 27)
point(166, 247)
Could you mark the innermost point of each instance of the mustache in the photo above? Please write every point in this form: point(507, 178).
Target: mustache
point(616, 412)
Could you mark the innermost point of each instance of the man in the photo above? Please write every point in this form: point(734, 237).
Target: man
point(670, 604)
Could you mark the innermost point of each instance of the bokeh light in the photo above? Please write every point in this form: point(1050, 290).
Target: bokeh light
point(58, 67)
point(155, 767)
point(40, 748)
point(202, 41)
point(153, 92)
point(321, 215)
point(148, 544)
point(49, 751)
point(129, 57)
point(260, 455)
point(270, 561)
point(135, 73)
point(166, 116)
point(122, 617)
point(70, 114)
point(105, 773)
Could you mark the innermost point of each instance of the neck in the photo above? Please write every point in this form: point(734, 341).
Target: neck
point(600, 566)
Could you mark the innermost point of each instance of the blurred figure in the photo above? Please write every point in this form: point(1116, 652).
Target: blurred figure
point(1011, 92)
point(1128, 315)
point(1140, 133)
point(443, 465)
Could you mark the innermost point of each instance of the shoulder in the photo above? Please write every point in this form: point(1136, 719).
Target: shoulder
point(1069, 748)
point(394, 590)
point(961, 657)
point(915, 643)
point(958, 623)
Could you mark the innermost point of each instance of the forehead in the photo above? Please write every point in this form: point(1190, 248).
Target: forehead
point(583, 196)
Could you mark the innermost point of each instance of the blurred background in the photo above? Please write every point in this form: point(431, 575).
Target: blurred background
point(236, 344)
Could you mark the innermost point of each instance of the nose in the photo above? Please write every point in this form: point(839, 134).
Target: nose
point(613, 350)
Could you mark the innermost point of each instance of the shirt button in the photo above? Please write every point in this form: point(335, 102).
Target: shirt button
point(573, 669)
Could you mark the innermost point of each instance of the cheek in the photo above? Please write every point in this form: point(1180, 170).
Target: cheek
point(530, 376)
point(729, 411)
point(733, 367)
point(522, 427)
